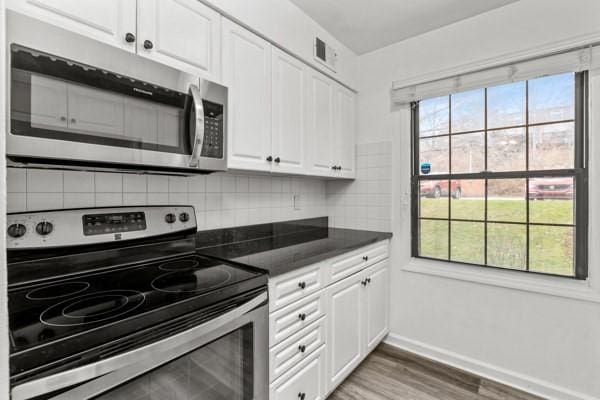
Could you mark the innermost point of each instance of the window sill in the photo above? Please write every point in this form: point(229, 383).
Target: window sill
point(550, 285)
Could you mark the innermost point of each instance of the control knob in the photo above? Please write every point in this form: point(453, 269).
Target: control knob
point(44, 228)
point(16, 230)
point(184, 217)
point(170, 218)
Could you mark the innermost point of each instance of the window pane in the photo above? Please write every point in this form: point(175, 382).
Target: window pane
point(433, 240)
point(468, 111)
point(434, 116)
point(467, 240)
point(434, 199)
point(507, 245)
point(552, 98)
point(506, 150)
point(506, 200)
point(552, 146)
point(551, 200)
point(506, 105)
point(467, 199)
point(551, 249)
point(468, 152)
point(434, 152)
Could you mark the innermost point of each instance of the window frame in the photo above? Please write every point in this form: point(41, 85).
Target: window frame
point(579, 174)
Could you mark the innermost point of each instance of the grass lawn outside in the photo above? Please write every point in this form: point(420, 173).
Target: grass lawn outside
point(551, 248)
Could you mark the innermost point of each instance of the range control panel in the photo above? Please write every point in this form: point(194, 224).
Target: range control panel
point(98, 224)
point(95, 225)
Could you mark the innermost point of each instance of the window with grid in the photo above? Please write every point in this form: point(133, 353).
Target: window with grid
point(499, 176)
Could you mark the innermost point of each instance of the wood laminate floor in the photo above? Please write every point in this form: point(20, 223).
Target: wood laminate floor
point(392, 374)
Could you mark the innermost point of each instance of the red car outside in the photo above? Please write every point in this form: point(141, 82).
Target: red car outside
point(551, 188)
point(437, 189)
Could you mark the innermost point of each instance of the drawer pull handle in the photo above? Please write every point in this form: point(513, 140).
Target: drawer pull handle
point(364, 283)
point(301, 395)
point(366, 258)
point(368, 280)
point(302, 316)
point(302, 348)
point(302, 285)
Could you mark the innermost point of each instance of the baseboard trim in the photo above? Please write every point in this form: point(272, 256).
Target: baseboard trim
point(485, 370)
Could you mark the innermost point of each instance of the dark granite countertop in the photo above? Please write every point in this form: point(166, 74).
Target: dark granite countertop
point(283, 247)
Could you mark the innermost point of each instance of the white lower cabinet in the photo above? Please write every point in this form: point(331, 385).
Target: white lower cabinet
point(320, 338)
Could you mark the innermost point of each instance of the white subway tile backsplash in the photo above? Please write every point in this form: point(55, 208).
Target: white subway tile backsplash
point(177, 184)
point(213, 183)
point(242, 184)
point(44, 201)
point(78, 200)
point(198, 200)
point(228, 184)
point(44, 181)
point(78, 182)
point(213, 201)
point(134, 183)
point(158, 184)
point(108, 182)
point(178, 198)
point(213, 219)
point(16, 180)
point(106, 199)
point(197, 184)
point(16, 202)
point(134, 199)
point(158, 199)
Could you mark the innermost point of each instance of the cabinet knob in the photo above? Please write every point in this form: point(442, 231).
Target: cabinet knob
point(73, 120)
point(270, 158)
point(302, 316)
point(366, 258)
point(364, 283)
point(368, 280)
point(302, 348)
point(301, 395)
point(334, 168)
point(129, 37)
point(148, 45)
point(302, 285)
point(277, 160)
point(63, 118)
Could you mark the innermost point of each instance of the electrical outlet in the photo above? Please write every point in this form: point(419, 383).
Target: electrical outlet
point(297, 202)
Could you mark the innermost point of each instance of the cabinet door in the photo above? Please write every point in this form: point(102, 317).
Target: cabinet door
point(344, 142)
point(247, 73)
point(108, 21)
point(289, 113)
point(320, 124)
point(376, 304)
point(184, 34)
point(345, 328)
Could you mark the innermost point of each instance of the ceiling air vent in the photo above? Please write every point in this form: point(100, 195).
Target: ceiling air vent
point(325, 54)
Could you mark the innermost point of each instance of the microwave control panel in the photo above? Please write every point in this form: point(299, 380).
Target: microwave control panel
point(213, 130)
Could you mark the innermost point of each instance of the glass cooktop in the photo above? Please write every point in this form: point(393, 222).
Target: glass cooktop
point(94, 308)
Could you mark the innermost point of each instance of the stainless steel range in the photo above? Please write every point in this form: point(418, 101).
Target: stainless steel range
point(115, 303)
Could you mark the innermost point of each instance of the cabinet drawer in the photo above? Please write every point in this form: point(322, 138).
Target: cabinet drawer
point(294, 349)
point(357, 260)
point(306, 378)
point(285, 322)
point(287, 288)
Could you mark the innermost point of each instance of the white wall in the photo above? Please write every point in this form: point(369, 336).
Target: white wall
point(220, 200)
point(284, 23)
point(544, 343)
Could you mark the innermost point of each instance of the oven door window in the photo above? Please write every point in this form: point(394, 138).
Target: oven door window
point(56, 99)
point(219, 370)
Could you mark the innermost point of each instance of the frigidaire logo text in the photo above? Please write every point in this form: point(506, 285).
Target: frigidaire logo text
point(142, 91)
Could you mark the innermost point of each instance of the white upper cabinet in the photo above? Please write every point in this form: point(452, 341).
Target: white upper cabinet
point(184, 34)
point(108, 21)
point(289, 113)
point(247, 73)
point(344, 138)
point(320, 124)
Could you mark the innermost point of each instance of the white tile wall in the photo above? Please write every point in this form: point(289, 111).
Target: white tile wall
point(220, 200)
point(366, 202)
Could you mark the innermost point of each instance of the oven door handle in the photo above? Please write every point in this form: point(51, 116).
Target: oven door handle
point(198, 139)
point(125, 366)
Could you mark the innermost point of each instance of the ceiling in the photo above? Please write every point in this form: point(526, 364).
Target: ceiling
point(366, 25)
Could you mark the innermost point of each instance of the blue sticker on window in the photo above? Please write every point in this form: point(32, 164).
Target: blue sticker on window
point(425, 168)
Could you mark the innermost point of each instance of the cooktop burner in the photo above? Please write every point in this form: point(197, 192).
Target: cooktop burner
point(191, 280)
point(180, 264)
point(57, 291)
point(92, 308)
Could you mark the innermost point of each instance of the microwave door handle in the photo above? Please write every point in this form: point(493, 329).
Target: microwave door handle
point(198, 139)
point(116, 370)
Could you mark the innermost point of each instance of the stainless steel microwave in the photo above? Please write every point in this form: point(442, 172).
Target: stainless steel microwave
point(67, 113)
